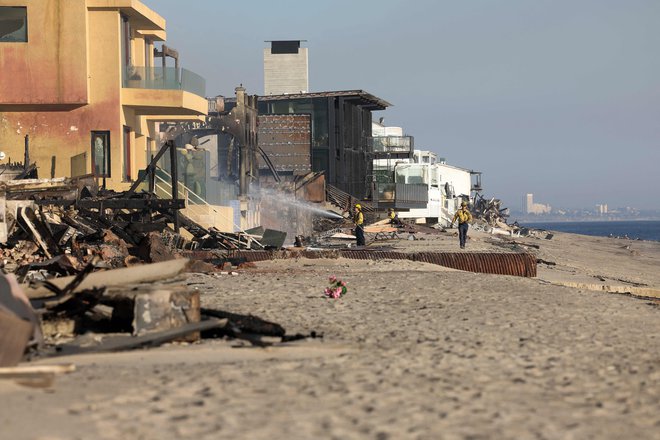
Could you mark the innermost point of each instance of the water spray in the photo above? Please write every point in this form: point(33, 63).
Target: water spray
point(286, 199)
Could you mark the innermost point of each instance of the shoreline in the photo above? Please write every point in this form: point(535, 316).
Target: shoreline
point(638, 230)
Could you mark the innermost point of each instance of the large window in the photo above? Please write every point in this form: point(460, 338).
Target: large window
point(320, 135)
point(13, 24)
point(101, 153)
point(126, 168)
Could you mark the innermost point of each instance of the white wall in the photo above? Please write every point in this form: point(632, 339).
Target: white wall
point(436, 176)
point(459, 178)
point(380, 130)
point(286, 73)
point(419, 154)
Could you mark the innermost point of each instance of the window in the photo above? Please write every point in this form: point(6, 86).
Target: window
point(126, 42)
point(147, 53)
point(126, 169)
point(13, 24)
point(101, 153)
point(150, 150)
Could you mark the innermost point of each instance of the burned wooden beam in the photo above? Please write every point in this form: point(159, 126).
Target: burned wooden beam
point(149, 340)
point(117, 203)
point(40, 232)
point(130, 275)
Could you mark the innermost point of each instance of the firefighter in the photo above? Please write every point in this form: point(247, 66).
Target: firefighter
point(464, 217)
point(358, 219)
point(394, 217)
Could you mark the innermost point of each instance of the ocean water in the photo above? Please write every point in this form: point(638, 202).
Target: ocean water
point(643, 229)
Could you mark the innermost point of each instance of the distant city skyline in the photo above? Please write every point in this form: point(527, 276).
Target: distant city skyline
point(555, 98)
point(538, 206)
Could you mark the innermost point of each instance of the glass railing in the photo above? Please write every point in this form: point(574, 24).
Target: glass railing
point(385, 192)
point(403, 195)
point(164, 78)
point(391, 144)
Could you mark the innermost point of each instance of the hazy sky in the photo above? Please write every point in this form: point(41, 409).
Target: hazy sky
point(560, 98)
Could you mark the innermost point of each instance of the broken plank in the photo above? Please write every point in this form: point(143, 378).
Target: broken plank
point(41, 376)
point(39, 231)
point(118, 277)
point(27, 370)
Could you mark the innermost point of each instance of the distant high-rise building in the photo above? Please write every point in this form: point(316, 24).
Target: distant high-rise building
point(536, 208)
point(285, 68)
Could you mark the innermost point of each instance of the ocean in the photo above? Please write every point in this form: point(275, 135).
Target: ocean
point(642, 229)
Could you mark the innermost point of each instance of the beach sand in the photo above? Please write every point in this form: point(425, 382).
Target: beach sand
point(413, 350)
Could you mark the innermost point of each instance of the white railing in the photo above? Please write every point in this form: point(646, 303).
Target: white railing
point(163, 185)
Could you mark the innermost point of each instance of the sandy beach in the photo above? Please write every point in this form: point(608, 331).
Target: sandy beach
point(413, 351)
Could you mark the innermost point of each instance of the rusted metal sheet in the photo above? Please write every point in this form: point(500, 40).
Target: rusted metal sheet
point(252, 255)
point(373, 255)
point(286, 139)
point(522, 265)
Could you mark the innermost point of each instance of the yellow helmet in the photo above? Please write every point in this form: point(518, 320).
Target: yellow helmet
point(358, 206)
point(464, 204)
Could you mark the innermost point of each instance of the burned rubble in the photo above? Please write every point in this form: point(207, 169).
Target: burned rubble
point(79, 259)
point(82, 261)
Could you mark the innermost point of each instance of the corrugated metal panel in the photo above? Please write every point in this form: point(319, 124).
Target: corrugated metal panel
point(522, 265)
point(411, 195)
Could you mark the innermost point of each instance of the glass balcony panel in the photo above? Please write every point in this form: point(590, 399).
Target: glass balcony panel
point(385, 191)
point(391, 144)
point(159, 78)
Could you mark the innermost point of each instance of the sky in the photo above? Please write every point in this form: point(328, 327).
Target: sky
point(559, 98)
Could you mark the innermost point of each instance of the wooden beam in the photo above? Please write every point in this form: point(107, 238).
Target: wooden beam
point(149, 340)
point(118, 277)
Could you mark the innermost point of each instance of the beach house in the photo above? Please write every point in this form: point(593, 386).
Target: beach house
point(87, 81)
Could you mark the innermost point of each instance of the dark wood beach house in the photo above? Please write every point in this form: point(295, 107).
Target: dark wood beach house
point(340, 130)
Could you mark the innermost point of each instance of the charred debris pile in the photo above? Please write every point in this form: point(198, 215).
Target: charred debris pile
point(78, 260)
point(55, 227)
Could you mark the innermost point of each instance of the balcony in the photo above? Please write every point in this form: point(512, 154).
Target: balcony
point(391, 144)
point(167, 78)
point(404, 196)
point(164, 91)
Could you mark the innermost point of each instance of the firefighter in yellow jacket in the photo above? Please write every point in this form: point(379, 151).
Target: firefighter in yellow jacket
point(358, 219)
point(464, 217)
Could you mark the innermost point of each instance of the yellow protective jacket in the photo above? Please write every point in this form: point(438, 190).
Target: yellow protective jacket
point(358, 218)
point(462, 216)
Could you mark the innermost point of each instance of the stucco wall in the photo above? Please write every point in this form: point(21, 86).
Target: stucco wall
point(51, 67)
point(65, 130)
point(66, 82)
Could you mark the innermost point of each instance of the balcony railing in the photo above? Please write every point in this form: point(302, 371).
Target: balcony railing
point(167, 78)
point(391, 144)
